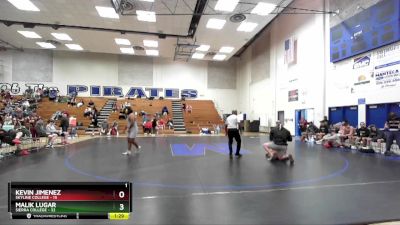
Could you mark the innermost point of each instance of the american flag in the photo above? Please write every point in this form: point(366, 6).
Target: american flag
point(289, 51)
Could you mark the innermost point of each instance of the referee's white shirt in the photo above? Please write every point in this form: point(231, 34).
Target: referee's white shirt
point(232, 121)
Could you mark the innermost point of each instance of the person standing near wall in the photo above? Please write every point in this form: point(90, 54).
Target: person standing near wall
point(231, 129)
point(393, 132)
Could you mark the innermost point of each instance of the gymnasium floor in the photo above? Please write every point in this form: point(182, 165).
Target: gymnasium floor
point(174, 187)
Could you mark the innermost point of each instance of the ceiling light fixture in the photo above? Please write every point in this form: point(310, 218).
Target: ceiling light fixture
point(150, 43)
point(203, 48)
point(217, 24)
point(62, 36)
point(74, 47)
point(263, 9)
point(198, 55)
point(122, 41)
point(226, 5)
point(147, 16)
point(226, 49)
point(152, 52)
point(29, 34)
point(45, 45)
point(107, 12)
point(247, 26)
point(127, 50)
point(219, 57)
point(25, 5)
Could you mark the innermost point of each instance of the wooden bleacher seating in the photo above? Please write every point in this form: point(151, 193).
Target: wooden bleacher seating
point(139, 105)
point(204, 115)
point(47, 108)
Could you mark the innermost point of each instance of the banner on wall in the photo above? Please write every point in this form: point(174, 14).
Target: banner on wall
point(387, 67)
point(378, 70)
point(105, 91)
point(361, 62)
point(294, 95)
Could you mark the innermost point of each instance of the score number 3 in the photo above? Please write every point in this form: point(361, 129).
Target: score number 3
point(121, 194)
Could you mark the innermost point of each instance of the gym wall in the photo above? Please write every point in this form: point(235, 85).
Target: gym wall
point(62, 68)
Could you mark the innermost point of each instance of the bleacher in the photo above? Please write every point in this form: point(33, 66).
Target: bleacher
point(47, 108)
point(204, 115)
point(149, 106)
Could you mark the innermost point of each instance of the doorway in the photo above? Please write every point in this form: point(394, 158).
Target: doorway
point(307, 114)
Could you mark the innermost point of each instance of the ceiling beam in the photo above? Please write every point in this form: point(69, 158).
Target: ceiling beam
point(57, 26)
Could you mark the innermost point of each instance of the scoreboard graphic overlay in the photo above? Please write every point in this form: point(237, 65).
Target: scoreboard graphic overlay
point(70, 200)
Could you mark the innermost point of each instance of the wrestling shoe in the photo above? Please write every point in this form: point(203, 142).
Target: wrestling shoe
point(127, 153)
point(238, 155)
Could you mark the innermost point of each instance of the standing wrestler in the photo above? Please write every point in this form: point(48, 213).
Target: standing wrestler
point(131, 131)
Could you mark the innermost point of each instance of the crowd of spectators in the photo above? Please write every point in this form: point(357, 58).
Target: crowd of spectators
point(365, 138)
point(19, 120)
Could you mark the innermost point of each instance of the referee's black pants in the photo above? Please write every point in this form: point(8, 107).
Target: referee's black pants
point(234, 133)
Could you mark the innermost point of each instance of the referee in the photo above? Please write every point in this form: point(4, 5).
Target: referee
point(231, 129)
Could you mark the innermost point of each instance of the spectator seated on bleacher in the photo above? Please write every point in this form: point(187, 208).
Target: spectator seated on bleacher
point(104, 128)
point(56, 116)
point(114, 129)
point(121, 116)
point(161, 124)
point(205, 130)
point(25, 104)
point(126, 105)
point(53, 95)
point(91, 103)
point(20, 131)
point(52, 133)
point(94, 116)
point(80, 103)
point(164, 111)
point(8, 120)
point(87, 112)
point(8, 136)
point(147, 127)
point(189, 109)
point(38, 94)
point(170, 123)
point(40, 128)
point(8, 109)
point(28, 92)
point(71, 101)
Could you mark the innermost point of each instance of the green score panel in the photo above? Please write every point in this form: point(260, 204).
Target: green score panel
point(78, 207)
point(90, 206)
